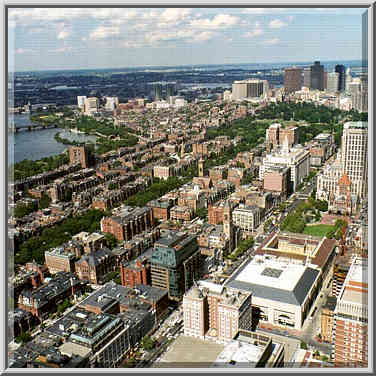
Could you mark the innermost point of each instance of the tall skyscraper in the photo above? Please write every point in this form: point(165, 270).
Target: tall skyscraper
point(350, 331)
point(355, 155)
point(292, 79)
point(348, 79)
point(307, 77)
point(333, 78)
point(317, 76)
point(171, 89)
point(157, 89)
point(81, 102)
point(340, 69)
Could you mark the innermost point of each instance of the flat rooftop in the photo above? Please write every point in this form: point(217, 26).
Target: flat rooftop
point(275, 280)
point(272, 274)
point(190, 352)
point(239, 354)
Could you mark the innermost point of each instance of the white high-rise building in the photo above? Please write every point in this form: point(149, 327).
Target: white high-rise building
point(348, 79)
point(111, 103)
point(81, 102)
point(355, 155)
point(91, 105)
point(332, 82)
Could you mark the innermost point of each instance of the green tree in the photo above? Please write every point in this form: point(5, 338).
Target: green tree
point(23, 338)
point(147, 343)
point(45, 201)
point(303, 345)
point(110, 240)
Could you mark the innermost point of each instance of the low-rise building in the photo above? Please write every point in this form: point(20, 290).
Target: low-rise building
point(128, 222)
point(246, 217)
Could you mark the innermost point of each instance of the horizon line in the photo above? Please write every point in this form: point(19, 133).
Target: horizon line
point(177, 65)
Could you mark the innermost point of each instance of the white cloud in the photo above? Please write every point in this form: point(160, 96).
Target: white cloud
point(277, 24)
point(254, 33)
point(219, 21)
point(272, 41)
point(171, 35)
point(63, 34)
point(103, 32)
point(204, 36)
point(175, 15)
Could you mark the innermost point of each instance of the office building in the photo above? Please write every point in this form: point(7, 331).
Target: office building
point(317, 76)
point(111, 103)
point(307, 77)
point(340, 69)
point(79, 154)
point(250, 88)
point(216, 311)
point(348, 79)
point(292, 79)
point(276, 135)
point(175, 263)
point(128, 222)
point(157, 91)
point(171, 89)
point(81, 102)
point(296, 158)
point(327, 319)
point(246, 217)
point(333, 82)
point(354, 148)
point(350, 332)
point(277, 180)
point(91, 106)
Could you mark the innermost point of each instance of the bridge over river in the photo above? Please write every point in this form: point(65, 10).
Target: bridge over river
point(31, 127)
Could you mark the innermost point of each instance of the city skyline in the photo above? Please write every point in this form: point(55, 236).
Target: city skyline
point(89, 38)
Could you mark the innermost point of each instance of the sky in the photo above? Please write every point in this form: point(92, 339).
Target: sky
point(93, 38)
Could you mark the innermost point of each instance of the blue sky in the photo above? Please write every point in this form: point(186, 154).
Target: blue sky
point(85, 38)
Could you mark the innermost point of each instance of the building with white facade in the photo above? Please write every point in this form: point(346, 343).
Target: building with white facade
point(355, 155)
point(250, 88)
point(81, 102)
point(281, 291)
point(111, 103)
point(246, 217)
point(297, 158)
point(91, 105)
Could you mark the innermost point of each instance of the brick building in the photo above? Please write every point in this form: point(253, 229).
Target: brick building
point(351, 318)
point(44, 300)
point(327, 319)
point(135, 273)
point(216, 311)
point(94, 266)
point(181, 213)
point(163, 172)
point(215, 213)
point(128, 222)
point(161, 208)
point(79, 154)
point(277, 180)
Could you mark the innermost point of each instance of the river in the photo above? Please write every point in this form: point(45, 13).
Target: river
point(37, 144)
